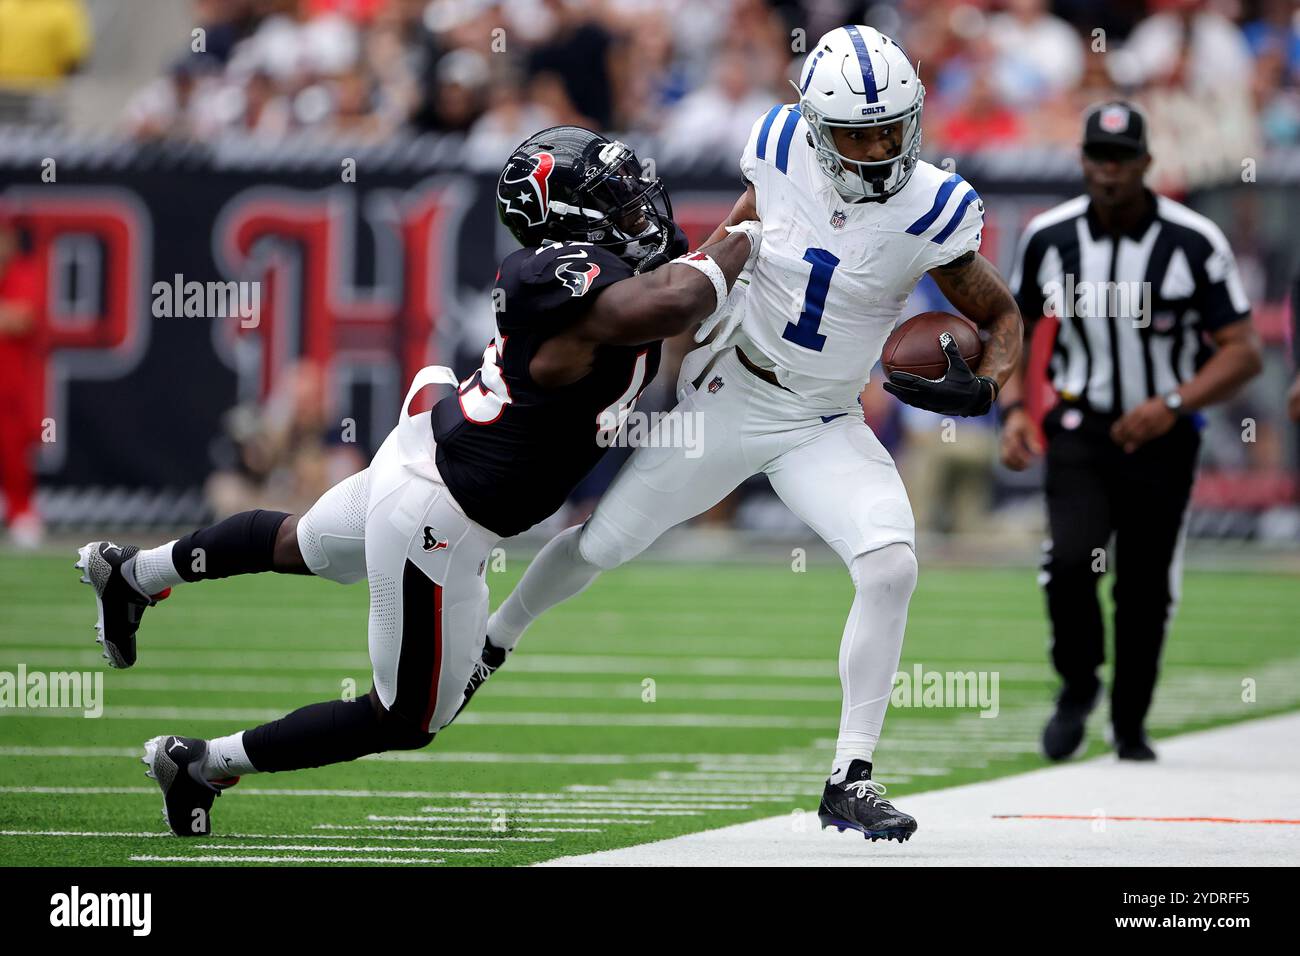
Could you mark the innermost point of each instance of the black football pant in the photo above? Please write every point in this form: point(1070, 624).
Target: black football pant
point(1095, 492)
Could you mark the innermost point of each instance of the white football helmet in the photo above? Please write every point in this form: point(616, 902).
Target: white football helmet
point(857, 77)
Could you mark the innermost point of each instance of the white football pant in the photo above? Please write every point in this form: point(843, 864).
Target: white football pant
point(396, 524)
point(825, 464)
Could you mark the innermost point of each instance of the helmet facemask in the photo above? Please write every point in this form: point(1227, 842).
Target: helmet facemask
point(866, 179)
point(630, 213)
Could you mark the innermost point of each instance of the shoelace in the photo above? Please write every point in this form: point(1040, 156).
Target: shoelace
point(481, 672)
point(865, 787)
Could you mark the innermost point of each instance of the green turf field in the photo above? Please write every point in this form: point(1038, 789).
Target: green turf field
point(668, 698)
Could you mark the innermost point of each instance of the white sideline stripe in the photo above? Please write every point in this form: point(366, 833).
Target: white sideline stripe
point(1254, 766)
point(479, 718)
point(337, 848)
point(227, 858)
point(454, 829)
point(515, 816)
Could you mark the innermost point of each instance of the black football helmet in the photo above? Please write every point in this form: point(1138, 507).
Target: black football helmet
point(568, 184)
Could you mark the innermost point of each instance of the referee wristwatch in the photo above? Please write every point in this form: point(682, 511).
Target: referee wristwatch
point(1174, 402)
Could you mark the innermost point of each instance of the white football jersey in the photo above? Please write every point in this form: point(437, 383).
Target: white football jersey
point(832, 277)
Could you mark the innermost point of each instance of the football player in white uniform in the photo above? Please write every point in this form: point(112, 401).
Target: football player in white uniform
point(851, 220)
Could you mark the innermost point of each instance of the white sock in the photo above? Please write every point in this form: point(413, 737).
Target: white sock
point(227, 758)
point(151, 572)
point(871, 647)
point(557, 573)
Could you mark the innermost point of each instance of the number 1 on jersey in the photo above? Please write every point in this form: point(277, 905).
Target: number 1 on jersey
point(804, 332)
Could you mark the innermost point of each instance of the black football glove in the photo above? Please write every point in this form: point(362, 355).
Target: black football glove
point(959, 392)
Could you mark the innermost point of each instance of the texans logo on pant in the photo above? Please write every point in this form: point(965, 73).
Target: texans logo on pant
point(431, 541)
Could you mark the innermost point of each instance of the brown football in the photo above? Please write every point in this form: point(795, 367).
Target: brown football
point(914, 346)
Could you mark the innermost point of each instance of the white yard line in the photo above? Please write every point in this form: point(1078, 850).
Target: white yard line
point(532, 810)
point(458, 829)
point(449, 818)
point(473, 717)
point(191, 658)
point(243, 858)
point(98, 834)
point(1246, 772)
point(612, 798)
point(337, 848)
point(436, 756)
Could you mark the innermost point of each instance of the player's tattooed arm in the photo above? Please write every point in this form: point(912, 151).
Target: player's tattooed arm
point(745, 209)
point(976, 290)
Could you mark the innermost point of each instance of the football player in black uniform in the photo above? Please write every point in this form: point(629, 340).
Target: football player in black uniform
point(602, 278)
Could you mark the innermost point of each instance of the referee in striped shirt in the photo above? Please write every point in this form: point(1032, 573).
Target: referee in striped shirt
point(1152, 325)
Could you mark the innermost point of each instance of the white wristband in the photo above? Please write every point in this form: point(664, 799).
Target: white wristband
point(701, 262)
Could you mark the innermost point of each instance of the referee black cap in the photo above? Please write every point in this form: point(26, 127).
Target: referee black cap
point(1115, 126)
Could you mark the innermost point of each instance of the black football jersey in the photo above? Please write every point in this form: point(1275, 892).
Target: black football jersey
point(510, 450)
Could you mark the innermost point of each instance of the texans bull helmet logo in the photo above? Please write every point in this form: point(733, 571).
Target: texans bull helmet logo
point(530, 196)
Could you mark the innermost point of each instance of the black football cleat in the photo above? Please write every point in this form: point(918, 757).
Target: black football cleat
point(488, 663)
point(120, 606)
point(1064, 734)
point(176, 763)
point(1134, 747)
point(857, 804)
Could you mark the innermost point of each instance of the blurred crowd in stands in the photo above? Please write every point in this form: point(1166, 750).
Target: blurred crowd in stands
point(696, 72)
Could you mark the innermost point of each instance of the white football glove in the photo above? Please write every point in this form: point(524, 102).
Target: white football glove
point(753, 230)
point(727, 316)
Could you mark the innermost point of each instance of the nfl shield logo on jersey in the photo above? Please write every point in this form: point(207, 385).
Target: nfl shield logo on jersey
point(838, 219)
point(715, 384)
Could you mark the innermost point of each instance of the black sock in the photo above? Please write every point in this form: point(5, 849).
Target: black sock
point(332, 731)
point(242, 544)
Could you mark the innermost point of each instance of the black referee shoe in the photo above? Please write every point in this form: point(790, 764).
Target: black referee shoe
point(1134, 747)
point(1063, 737)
